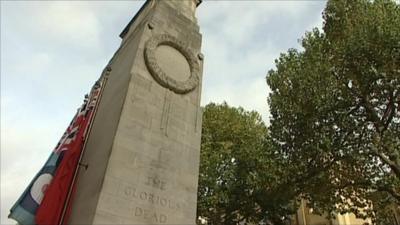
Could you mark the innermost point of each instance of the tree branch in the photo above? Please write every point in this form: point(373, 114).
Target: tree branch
point(389, 113)
point(395, 168)
point(391, 191)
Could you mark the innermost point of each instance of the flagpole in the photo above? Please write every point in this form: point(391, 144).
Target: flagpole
point(71, 187)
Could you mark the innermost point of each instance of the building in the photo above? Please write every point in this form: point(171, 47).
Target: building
point(305, 216)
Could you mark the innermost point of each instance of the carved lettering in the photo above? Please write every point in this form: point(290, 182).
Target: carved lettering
point(138, 211)
point(131, 192)
point(151, 198)
point(150, 215)
point(156, 183)
point(163, 202)
point(143, 195)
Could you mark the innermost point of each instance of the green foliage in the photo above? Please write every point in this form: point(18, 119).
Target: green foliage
point(237, 175)
point(336, 109)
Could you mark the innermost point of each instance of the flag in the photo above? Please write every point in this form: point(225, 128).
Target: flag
point(51, 209)
point(50, 186)
point(25, 208)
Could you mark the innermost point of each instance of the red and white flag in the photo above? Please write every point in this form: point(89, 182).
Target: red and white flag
point(52, 206)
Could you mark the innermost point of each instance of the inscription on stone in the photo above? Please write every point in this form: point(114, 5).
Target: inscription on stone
point(150, 215)
point(151, 198)
point(156, 182)
point(146, 153)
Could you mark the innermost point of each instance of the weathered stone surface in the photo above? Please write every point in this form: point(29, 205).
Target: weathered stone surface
point(143, 151)
point(172, 51)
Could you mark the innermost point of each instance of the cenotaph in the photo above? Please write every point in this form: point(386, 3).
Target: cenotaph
point(141, 158)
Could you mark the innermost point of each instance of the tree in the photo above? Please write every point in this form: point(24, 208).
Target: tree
point(335, 109)
point(238, 178)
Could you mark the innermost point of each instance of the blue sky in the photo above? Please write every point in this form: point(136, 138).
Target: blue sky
point(53, 51)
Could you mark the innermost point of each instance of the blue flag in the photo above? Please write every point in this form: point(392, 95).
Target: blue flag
point(24, 210)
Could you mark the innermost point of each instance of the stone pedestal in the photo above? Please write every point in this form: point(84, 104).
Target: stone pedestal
point(143, 150)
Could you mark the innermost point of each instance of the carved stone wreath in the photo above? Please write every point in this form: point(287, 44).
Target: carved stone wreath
point(179, 87)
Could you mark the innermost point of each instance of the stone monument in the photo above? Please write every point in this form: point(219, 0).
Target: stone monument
point(142, 154)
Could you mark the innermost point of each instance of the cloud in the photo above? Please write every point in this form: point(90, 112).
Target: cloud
point(240, 42)
point(51, 54)
point(56, 22)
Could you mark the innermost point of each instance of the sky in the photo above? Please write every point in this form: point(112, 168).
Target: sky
point(53, 51)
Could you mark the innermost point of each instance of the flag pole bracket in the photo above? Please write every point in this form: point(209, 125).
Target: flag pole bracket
point(84, 165)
